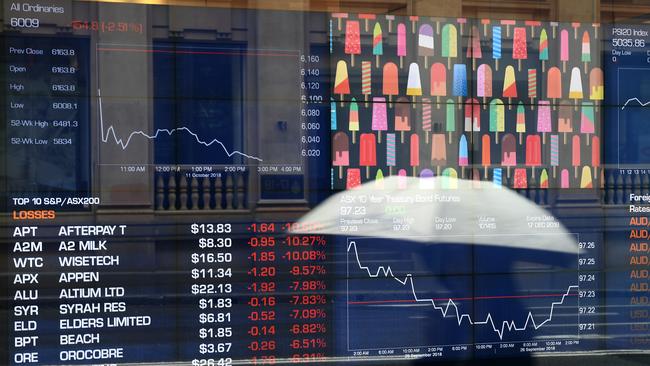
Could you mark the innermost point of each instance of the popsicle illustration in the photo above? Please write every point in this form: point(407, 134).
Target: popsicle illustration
point(426, 117)
point(521, 121)
point(438, 151)
point(366, 17)
point(575, 154)
point(587, 119)
point(461, 22)
point(367, 151)
point(486, 153)
point(509, 85)
point(451, 118)
point(474, 47)
point(402, 181)
point(533, 152)
point(565, 121)
point(595, 153)
point(484, 82)
point(485, 23)
point(521, 179)
point(414, 85)
point(555, 152)
point(497, 118)
point(596, 88)
point(543, 48)
point(496, 46)
point(340, 151)
point(585, 179)
point(575, 88)
point(353, 179)
point(390, 81)
point(333, 120)
point(426, 179)
point(586, 49)
point(532, 85)
point(438, 82)
point(379, 116)
point(377, 43)
point(425, 43)
point(341, 82)
point(519, 46)
point(543, 118)
point(379, 179)
point(475, 176)
point(460, 82)
point(414, 20)
point(353, 118)
point(390, 19)
point(575, 26)
point(414, 156)
point(339, 17)
point(564, 178)
point(449, 43)
point(366, 80)
point(450, 179)
point(554, 84)
point(532, 24)
point(508, 152)
point(463, 154)
point(402, 116)
point(401, 43)
point(472, 115)
point(352, 39)
point(596, 26)
point(543, 179)
point(508, 23)
point(390, 152)
point(497, 174)
point(564, 48)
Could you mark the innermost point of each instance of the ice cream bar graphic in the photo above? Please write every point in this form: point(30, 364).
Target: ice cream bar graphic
point(460, 82)
point(463, 154)
point(401, 43)
point(585, 179)
point(402, 116)
point(565, 121)
point(543, 48)
point(497, 177)
point(596, 88)
point(414, 156)
point(449, 43)
point(555, 152)
point(425, 43)
point(575, 88)
point(575, 154)
point(461, 22)
point(544, 118)
point(438, 82)
point(341, 82)
point(543, 179)
point(532, 24)
point(339, 17)
point(509, 84)
point(554, 84)
point(484, 82)
point(379, 116)
point(377, 43)
point(486, 153)
point(352, 39)
point(497, 118)
point(596, 26)
point(353, 120)
point(595, 153)
point(414, 20)
point(340, 151)
point(402, 181)
point(333, 120)
point(390, 19)
point(496, 46)
point(390, 80)
point(564, 48)
point(533, 151)
point(438, 151)
point(587, 121)
point(521, 179)
point(519, 46)
point(366, 80)
point(508, 151)
point(508, 23)
point(366, 18)
point(521, 121)
point(586, 49)
point(532, 85)
point(426, 179)
point(379, 179)
point(474, 47)
point(390, 152)
point(554, 26)
point(575, 27)
point(564, 178)
point(353, 179)
point(449, 179)
point(450, 118)
point(414, 84)
point(367, 151)
point(485, 23)
point(472, 115)
point(426, 117)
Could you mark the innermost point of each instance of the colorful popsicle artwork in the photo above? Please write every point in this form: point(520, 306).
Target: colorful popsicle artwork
point(575, 26)
point(366, 80)
point(554, 26)
point(508, 23)
point(519, 46)
point(532, 24)
point(521, 122)
point(509, 85)
point(379, 116)
point(564, 179)
point(426, 179)
point(565, 121)
point(341, 81)
point(402, 180)
point(425, 43)
point(474, 47)
point(353, 119)
point(379, 180)
point(463, 155)
point(339, 18)
point(497, 174)
point(486, 153)
point(401, 43)
point(449, 179)
point(390, 152)
point(352, 39)
point(587, 119)
point(544, 118)
point(450, 114)
point(390, 81)
point(532, 86)
point(391, 19)
point(377, 43)
point(508, 152)
point(333, 119)
point(555, 153)
point(414, 20)
point(496, 46)
point(426, 117)
point(438, 151)
point(340, 151)
point(543, 48)
point(438, 82)
point(586, 49)
point(460, 82)
point(533, 152)
point(414, 156)
point(543, 179)
point(485, 23)
point(353, 178)
point(554, 84)
point(564, 48)
point(521, 179)
point(366, 17)
point(575, 88)
point(414, 84)
point(595, 153)
point(449, 43)
point(402, 116)
point(461, 22)
point(367, 151)
point(596, 85)
point(575, 154)
point(497, 118)
point(472, 115)
point(484, 82)
point(585, 178)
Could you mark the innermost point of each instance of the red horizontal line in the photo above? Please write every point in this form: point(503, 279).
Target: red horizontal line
point(460, 299)
point(232, 53)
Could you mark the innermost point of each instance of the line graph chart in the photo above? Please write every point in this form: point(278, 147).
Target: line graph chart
point(632, 113)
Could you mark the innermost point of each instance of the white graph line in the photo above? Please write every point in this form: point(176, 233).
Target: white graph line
point(444, 309)
point(635, 100)
point(124, 144)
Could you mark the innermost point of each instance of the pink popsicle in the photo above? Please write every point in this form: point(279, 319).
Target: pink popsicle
point(415, 153)
point(367, 151)
point(401, 43)
point(564, 48)
point(595, 153)
point(484, 82)
point(438, 82)
point(352, 39)
point(575, 153)
point(353, 178)
point(533, 151)
point(564, 179)
point(379, 115)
